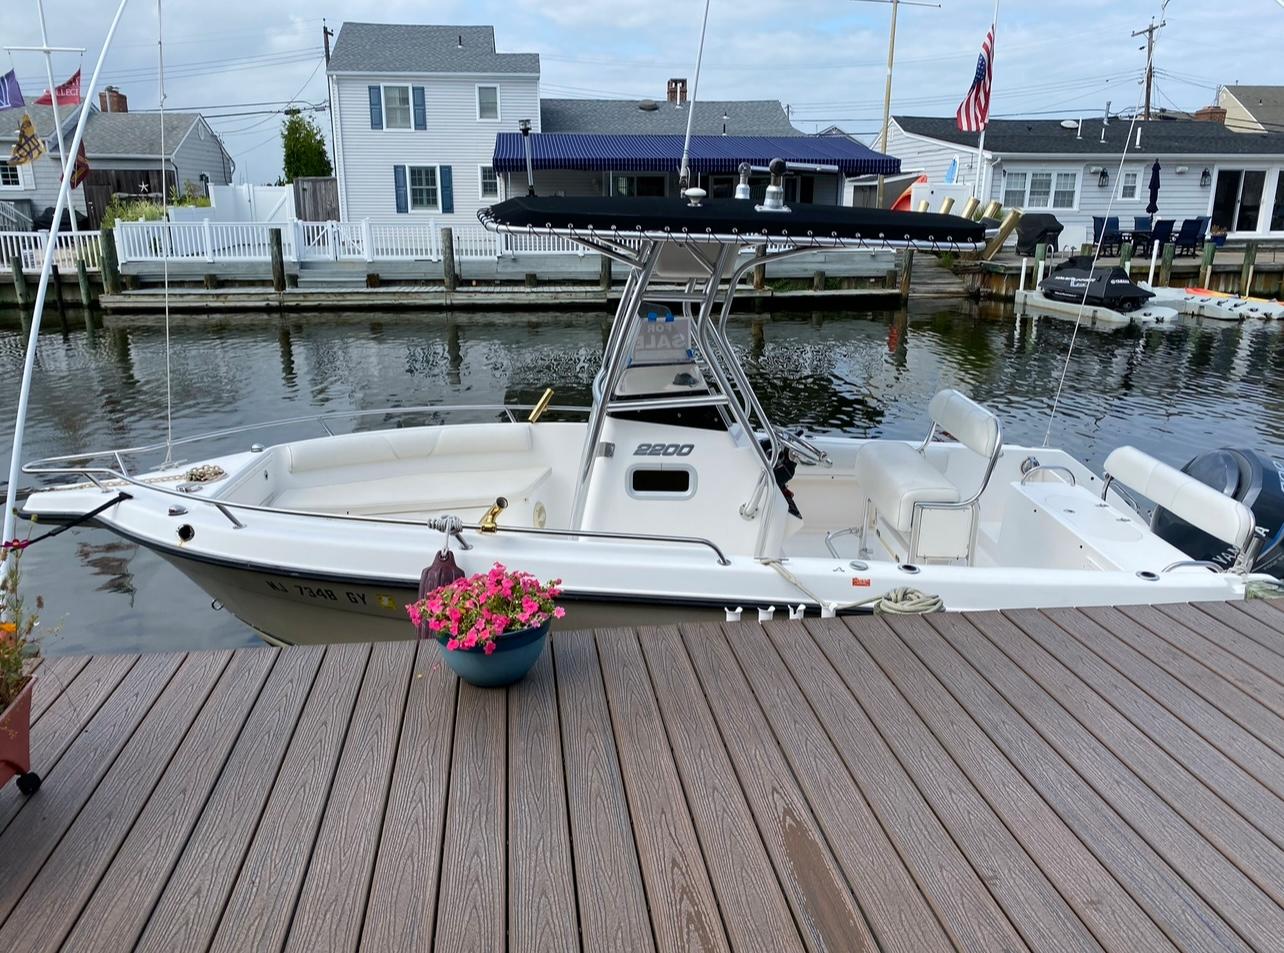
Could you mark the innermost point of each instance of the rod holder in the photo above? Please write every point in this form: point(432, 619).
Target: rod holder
point(538, 410)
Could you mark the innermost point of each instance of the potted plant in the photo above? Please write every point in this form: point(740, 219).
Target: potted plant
point(17, 648)
point(492, 626)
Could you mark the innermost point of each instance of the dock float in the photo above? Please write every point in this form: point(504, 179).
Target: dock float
point(1107, 780)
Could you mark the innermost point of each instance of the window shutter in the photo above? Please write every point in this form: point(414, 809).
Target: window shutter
point(421, 111)
point(376, 108)
point(399, 187)
point(447, 191)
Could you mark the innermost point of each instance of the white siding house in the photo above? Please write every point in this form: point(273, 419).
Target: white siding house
point(1206, 169)
point(416, 110)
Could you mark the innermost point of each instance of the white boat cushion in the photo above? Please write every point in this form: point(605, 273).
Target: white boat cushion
point(411, 443)
point(414, 493)
point(895, 477)
point(966, 421)
point(1182, 495)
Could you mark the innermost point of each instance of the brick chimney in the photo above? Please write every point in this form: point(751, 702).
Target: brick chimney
point(112, 100)
point(1211, 114)
point(677, 92)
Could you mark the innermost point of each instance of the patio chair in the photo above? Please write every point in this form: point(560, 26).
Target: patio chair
point(1191, 235)
point(1112, 239)
point(1141, 223)
point(1161, 232)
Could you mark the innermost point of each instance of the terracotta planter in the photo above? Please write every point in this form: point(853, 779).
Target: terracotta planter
point(515, 654)
point(15, 743)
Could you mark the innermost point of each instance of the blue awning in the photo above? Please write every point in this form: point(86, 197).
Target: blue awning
point(663, 153)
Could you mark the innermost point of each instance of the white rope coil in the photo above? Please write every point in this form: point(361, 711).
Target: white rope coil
point(907, 601)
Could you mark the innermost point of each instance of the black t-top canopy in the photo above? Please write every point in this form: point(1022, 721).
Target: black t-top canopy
point(721, 220)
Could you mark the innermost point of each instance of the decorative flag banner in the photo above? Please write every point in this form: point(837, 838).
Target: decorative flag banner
point(10, 93)
point(974, 112)
point(79, 169)
point(29, 146)
point(68, 93)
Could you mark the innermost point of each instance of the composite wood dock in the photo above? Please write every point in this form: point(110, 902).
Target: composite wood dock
point(1068, 780)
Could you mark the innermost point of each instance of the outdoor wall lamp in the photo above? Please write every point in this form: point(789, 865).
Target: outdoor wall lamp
point(1103, 180)
point(1205, 179)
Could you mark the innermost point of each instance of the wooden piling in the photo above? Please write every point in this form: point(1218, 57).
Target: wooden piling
point(211, 282)
point(449, 274)
point(55, 278)
point(1166, 265)
point(19, 281)
point(1125, 257)
point(531, 279)
point(907, 271)
point(1246, 271)
point(760, 271)
point(818, 281)
point(1206, 265)
point(109, 264)
point(86, 290)
point(278, 260)
point(604, 273)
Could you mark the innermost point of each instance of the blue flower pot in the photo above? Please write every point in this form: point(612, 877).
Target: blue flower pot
point(515, 654)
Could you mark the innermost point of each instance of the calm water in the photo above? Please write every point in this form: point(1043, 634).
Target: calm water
point(1172, 393)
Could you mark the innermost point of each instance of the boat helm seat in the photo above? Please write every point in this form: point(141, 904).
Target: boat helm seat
point(901, 483)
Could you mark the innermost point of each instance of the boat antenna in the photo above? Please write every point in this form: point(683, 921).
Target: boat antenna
point(684, 174)
point(164, 170)
point(1096, 253)
point(42, 291)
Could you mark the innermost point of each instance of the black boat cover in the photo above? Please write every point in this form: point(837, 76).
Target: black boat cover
point(728, 219)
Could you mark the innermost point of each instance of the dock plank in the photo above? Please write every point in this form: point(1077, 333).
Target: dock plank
point(27, 843)
point(541, 882)
point(1218, 628)
point(755, 911)
point(1030, 901)
point(1255, 620)
point(63, 720)
point(827, 914)
point(684, 912)
point(964, 904)
point(191, 901)
point(331, 907)
point(1190, 921)
point(1196, 644)
point(1089, 887)
point(612, 902)
point(899, 913)
point(129, 824)
point(471, 901)
point(261, 908)
point(54, 675)
point(402, 908)
point(1245, 749)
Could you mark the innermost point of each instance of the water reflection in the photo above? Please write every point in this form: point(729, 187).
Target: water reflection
point(1172, 392)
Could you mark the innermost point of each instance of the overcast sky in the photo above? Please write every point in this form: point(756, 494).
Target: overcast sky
point(824, 58)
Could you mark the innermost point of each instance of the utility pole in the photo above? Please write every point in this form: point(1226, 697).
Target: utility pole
point(326, 33)
point(1149, 32)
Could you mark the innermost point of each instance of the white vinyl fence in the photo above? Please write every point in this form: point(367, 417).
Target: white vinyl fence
point(29, 247)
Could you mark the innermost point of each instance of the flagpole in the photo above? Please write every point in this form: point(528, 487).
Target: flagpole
point(37, 312)
point(980, 144)
point(63, 158)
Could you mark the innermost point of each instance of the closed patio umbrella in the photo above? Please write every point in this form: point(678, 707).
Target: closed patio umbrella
point(1153, 205)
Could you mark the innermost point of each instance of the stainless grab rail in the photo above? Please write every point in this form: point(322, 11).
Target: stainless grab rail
point(1048, 467)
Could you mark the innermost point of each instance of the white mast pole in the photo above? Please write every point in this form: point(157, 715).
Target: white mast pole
point(684, 173)
point(28, 367)
point(53, 99)
point(980, 145)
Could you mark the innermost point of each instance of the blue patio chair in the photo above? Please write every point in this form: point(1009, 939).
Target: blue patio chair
point(1191, 235)
point(1112, 239)
point(1141, 223)
point(1161, 233)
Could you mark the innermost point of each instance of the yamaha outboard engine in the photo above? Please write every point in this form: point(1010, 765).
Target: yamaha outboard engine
point(1255, 480)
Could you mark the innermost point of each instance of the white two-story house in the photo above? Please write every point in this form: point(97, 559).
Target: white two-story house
point(415, 113)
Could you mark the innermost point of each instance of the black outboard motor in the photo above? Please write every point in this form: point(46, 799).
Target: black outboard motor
point(1107, 286)
point(1255, 480)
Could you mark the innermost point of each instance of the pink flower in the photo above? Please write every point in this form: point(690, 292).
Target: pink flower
point(413, 610)
point(559, 613)
point(490, 648)
point(452, 644)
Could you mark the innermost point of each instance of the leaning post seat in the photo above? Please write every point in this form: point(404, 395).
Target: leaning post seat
point(900, 483)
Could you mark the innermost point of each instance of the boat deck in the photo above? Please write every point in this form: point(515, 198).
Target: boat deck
point(1069, 780)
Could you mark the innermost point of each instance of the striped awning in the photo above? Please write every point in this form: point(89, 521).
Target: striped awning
point(663, 153)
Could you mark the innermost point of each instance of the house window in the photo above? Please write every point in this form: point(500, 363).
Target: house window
point(489, 183)
point(423, 188)
point(653, 186)
point(1040, 190)
point(1014, 190)
point(396, 107)
point(1237, 199)
point(1277, 211)
point(1129, 185)
point(9, 177)
point(487, 102)
point(1064, 191)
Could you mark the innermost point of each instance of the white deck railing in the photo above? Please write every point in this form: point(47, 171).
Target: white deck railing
point(30, 248)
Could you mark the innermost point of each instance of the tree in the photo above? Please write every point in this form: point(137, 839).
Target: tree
point(304, 147)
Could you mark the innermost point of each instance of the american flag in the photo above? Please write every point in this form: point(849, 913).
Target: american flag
point(974, 112)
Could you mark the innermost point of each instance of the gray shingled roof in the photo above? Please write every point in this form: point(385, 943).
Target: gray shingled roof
point(1045, 136)
point(1266, 103)
point(750, 117)
point(106, 134)
point(406, 48)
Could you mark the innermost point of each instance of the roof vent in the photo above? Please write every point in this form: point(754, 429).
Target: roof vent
point(648, 105)
point(460, 42)
point(1069, 124)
